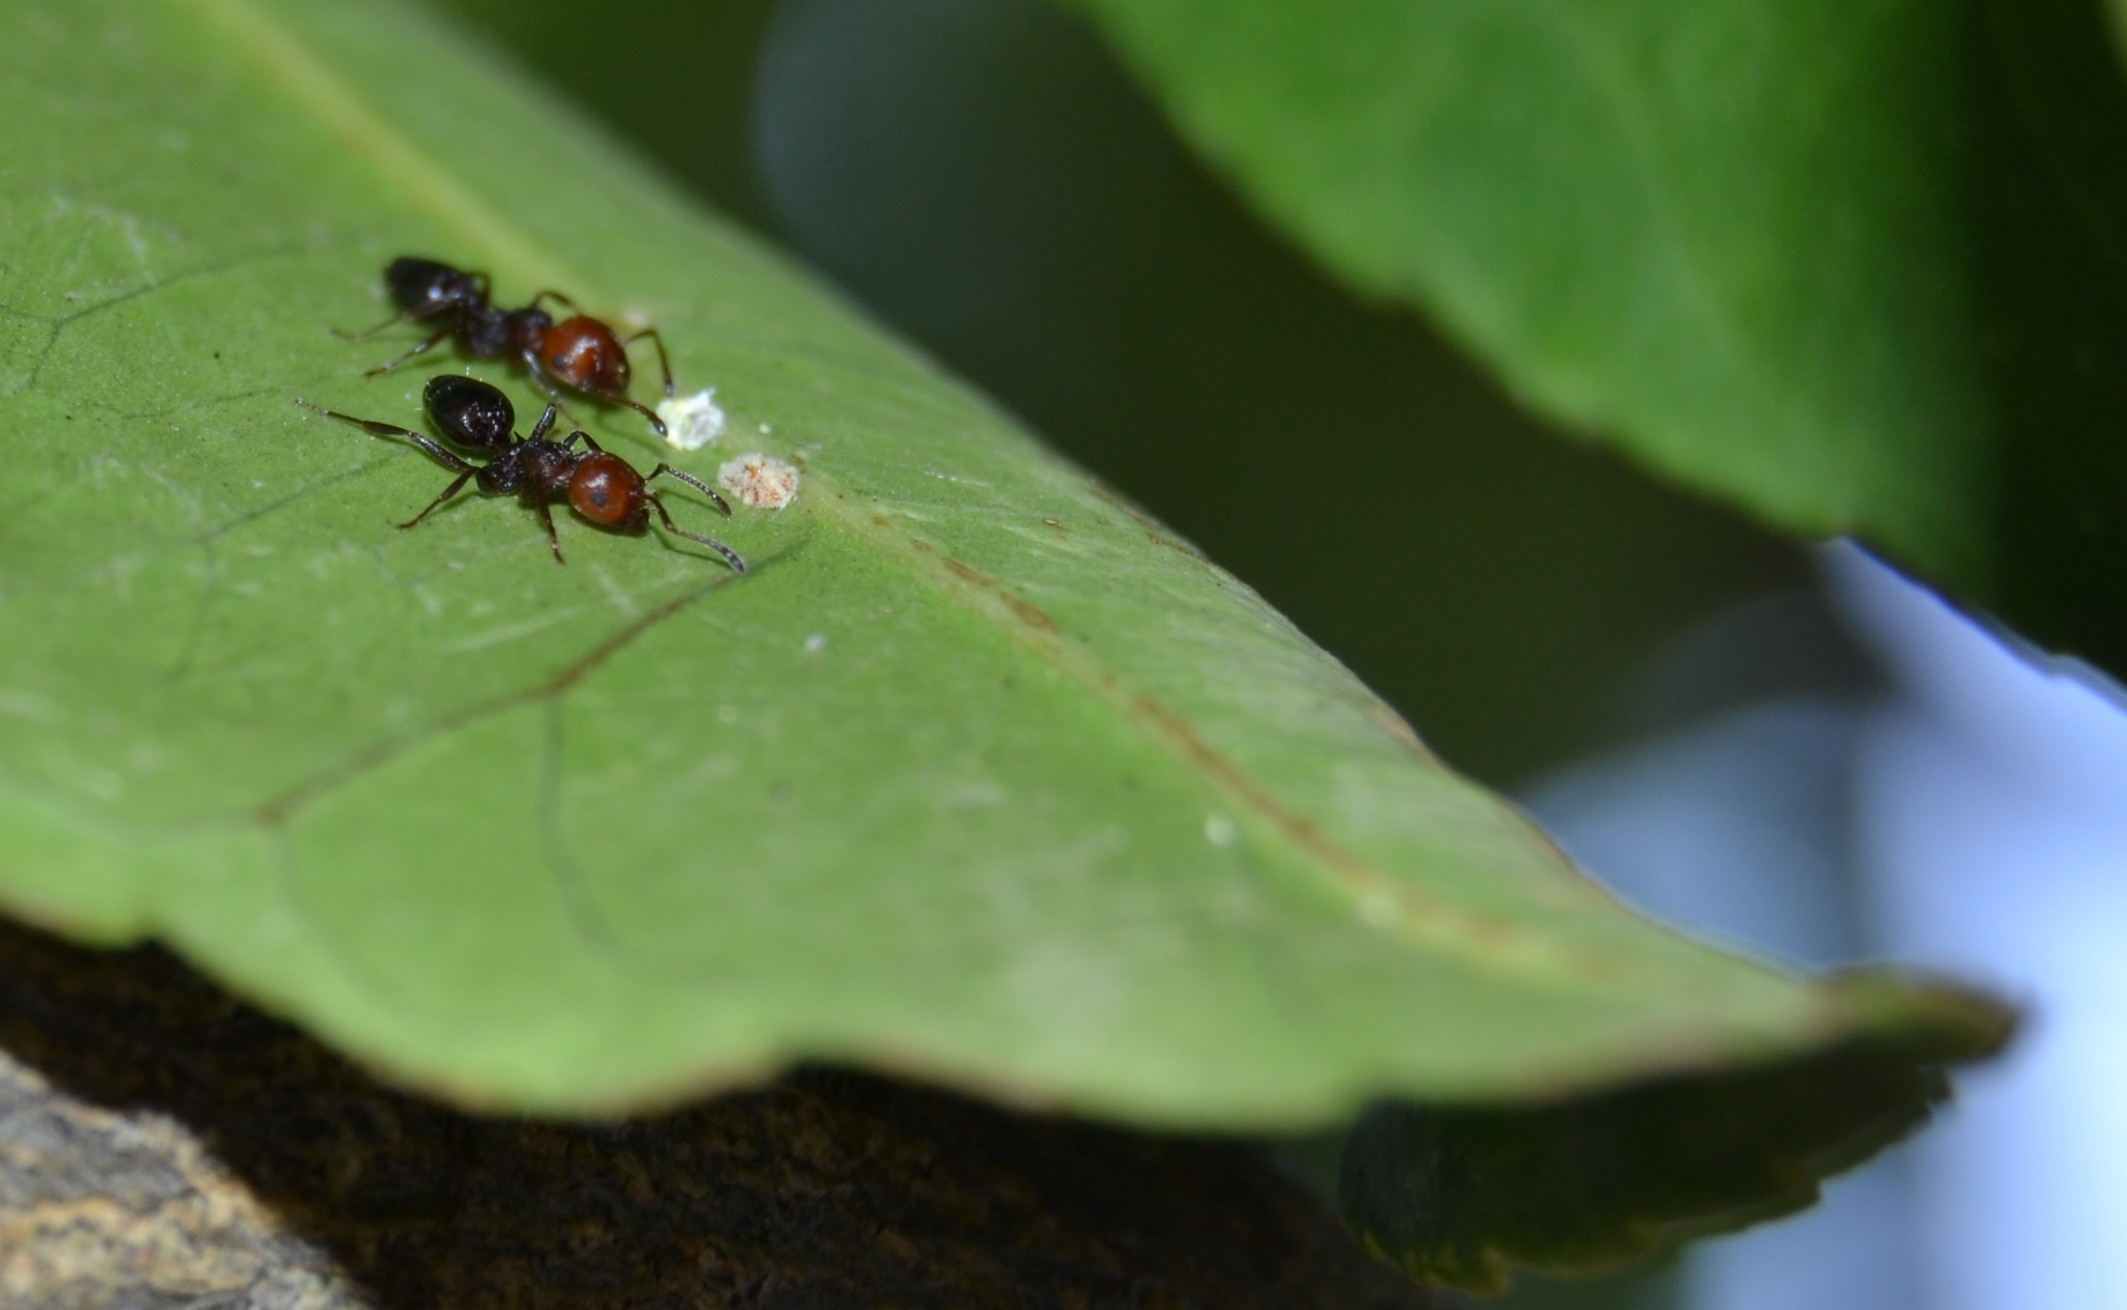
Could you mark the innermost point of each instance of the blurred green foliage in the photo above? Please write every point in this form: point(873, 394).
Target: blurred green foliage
point(1852, 265)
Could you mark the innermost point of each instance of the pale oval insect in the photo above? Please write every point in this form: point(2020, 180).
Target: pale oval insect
point(761, 481)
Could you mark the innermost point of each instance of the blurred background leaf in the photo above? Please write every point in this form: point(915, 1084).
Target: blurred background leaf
point(1854, 266)
point(1597, 1183)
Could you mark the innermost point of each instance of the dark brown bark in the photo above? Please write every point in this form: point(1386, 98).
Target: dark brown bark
point(163, 1146)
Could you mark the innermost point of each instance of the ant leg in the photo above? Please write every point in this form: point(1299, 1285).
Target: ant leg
point(427, 445)
point(390, 364)
point(657, 424)
point(574, 308)
point(344, 335)
point(546, 421)
point(448, 492)
point(731, 556)
point(588, 444)
point(694, 482)
point(546, 520)
point(664, 361)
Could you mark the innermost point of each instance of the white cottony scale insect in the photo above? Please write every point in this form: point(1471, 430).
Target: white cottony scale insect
point(760, 481)
point(691, 422)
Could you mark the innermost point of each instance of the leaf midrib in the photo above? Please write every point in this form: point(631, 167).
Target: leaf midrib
point(1488, 942)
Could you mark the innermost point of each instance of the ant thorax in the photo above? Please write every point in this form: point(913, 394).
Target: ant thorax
point(506, 332)
point(547, 464)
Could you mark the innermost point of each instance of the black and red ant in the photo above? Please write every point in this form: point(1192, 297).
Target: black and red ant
point(602, 487)
point(579, 352)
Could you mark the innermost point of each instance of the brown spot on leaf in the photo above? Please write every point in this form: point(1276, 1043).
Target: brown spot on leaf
point(1398, 727)
point(1409, 905)
point(1034, 616)
point(276, 810)
point(1155, 531)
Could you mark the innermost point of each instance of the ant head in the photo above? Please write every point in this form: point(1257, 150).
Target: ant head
point(470, 412)
point(425, 288)
point(583, 353)
point(604, 489)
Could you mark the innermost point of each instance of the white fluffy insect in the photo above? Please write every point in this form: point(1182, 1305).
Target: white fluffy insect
point(691, 422)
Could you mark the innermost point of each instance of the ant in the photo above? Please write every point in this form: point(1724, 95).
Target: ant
point(580, 352)
point(602, 487)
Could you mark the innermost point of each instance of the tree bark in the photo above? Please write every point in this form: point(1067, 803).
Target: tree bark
point(164, 1146)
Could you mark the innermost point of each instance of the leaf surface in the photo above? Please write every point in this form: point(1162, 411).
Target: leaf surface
point(1594, 1183)
point(1855, 266)
point(979, 774)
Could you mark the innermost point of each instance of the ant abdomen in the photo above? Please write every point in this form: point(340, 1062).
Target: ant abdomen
point(424, 288)
point(470, 412)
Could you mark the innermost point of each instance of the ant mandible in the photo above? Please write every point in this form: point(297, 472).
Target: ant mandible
point(602, 487)
point(579, 352)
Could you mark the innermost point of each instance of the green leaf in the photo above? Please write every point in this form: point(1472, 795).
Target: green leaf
point(1592, 1183)
point(979, 774)
point(1852, 265)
